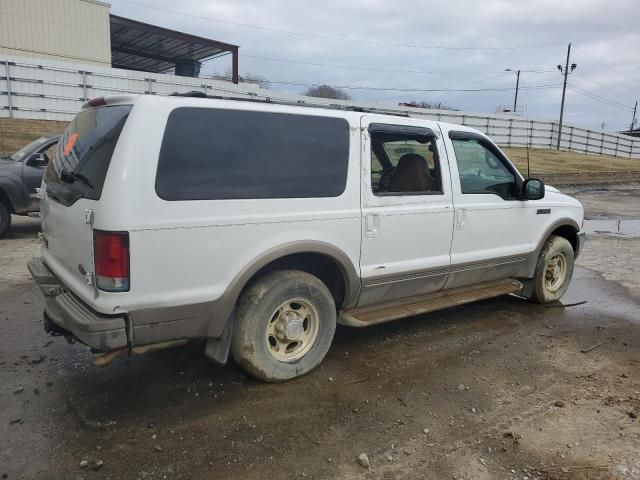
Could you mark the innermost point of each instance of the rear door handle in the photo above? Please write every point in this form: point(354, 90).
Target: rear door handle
point(371, 226)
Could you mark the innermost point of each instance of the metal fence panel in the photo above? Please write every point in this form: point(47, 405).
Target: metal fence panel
point(45, 89)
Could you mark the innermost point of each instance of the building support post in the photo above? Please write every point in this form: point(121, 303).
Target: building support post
point(234, 66)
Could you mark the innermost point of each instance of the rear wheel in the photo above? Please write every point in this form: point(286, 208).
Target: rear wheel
point(553, 270)
point(285, 322)
point(5, 219)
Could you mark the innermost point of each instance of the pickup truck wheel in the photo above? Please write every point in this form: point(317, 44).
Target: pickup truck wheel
point(285, 323)
point(553, 270)
point(5, 219)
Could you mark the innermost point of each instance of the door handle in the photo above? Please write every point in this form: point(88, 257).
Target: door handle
point(461, 218)
point(371, 226)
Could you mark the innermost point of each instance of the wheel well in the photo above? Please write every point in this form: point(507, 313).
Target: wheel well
point(568, 232)
point(5, 199)
point(326, 268)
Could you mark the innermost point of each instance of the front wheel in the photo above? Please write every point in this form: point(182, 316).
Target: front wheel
point(285, 322)
point(553, 270)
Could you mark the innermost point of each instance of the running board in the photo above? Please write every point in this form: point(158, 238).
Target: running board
point(419, 304)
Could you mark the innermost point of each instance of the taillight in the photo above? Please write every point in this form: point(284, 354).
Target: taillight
point(111, 259)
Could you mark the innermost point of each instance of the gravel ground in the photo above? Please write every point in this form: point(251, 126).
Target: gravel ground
point(500, 389)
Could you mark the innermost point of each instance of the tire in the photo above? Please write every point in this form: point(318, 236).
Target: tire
point(284, 325)
point(553, 270)
point(5, 219)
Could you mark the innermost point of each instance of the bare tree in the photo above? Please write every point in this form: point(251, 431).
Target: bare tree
point(247, 77)
point(254, 78)
point(422, 104)
point(327, 91)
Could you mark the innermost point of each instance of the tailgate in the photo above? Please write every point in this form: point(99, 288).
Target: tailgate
point(72, 187)
point(68, 244)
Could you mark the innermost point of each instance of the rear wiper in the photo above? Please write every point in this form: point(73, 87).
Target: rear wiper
point(70, 177)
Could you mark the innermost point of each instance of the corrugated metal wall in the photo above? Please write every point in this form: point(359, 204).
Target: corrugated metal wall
point(45, 89)
point(76, 30)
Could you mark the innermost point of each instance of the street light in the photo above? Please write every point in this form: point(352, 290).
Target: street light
point(515, 100)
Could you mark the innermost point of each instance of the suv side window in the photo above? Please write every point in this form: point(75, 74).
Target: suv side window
point(404, 164)
point(219, 154)
point(482, 171)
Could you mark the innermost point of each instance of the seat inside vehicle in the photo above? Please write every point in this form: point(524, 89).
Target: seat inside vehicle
point(411, 174)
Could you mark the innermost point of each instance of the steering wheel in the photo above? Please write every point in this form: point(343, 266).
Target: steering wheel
point(385, 178)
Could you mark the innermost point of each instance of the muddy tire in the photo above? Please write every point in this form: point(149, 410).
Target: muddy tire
point(284, 325)
point(553, 270)
point(5, 219)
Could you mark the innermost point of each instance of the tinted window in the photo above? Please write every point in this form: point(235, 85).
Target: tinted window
point(482, 171)
point(404, 164)
point(229, 154)
point(28, 149)
point(82, 156)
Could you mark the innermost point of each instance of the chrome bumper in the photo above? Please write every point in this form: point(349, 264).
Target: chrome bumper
point(70, 314)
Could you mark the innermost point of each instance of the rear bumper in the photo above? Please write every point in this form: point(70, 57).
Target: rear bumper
point(581, 237)
point(65, 310)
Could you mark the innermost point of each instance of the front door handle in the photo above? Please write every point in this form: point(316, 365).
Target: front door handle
point(461, 218)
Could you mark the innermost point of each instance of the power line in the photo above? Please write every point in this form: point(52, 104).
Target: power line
point(331, 37)
point(593, 96)
point(600, 85)
point(427, 90)
point(475, 82)
point(604, 64)
point(378, 68)
point(371, 68)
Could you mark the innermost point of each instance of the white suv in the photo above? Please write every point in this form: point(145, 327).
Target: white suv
point(259, 226)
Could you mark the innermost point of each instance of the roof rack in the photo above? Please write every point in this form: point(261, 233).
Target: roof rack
point(299, 103)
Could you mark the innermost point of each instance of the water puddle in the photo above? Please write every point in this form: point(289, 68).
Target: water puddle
point(627, 228)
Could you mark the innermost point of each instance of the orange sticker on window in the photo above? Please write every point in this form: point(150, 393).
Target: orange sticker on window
point(70, 143)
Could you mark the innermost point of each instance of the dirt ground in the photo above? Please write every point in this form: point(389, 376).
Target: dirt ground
point(501, 389)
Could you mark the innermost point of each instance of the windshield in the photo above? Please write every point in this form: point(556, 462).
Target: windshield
point(26, 150)
point(82, 157)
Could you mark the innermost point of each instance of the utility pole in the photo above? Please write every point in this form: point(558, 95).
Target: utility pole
point(566, 73)
point(515, 100)
point(633, 119)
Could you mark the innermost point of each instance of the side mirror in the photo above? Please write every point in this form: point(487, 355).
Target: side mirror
point(533, 189)
point(38, 160)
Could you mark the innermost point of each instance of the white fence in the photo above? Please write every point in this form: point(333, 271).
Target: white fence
point(50, 90)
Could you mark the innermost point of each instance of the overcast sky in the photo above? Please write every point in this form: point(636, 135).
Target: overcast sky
point(605, 36)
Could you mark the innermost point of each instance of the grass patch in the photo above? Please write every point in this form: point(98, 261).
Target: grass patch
point(545, 161)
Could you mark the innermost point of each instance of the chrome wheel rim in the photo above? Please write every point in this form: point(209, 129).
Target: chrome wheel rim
point(292, 330)
point(555, 272)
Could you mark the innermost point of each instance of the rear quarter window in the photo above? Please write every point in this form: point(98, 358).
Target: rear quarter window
point(210, 154)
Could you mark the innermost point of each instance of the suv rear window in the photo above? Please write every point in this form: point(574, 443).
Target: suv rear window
point(210, 154)
point(82, 157)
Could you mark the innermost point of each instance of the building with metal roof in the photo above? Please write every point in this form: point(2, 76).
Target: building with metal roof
point(84, 31)
point(142, 46)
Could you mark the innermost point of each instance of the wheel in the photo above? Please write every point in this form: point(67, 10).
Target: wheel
point(284, 325)
point(553, 270)
point(5, 219)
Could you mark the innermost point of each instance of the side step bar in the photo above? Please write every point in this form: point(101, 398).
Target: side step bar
point(419, 304)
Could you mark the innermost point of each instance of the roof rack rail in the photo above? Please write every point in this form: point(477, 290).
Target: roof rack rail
point(300, 103)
